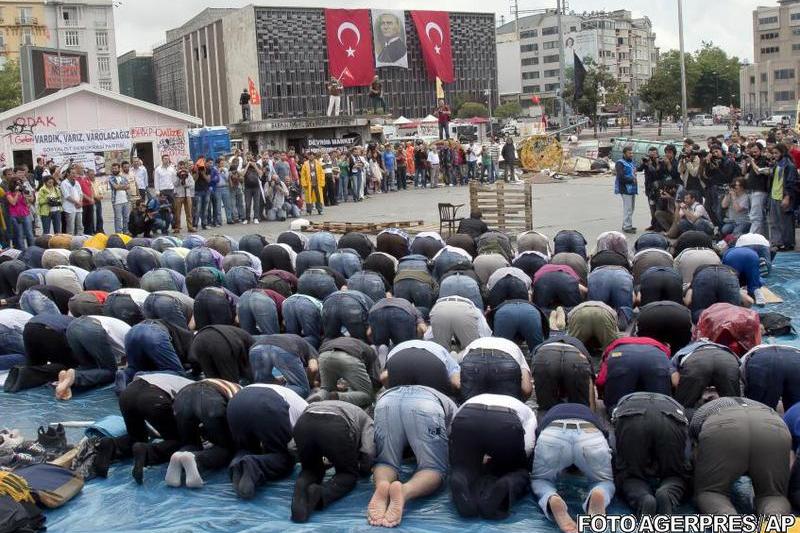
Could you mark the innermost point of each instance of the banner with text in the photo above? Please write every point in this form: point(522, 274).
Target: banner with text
point(61, 72)
point(76, 142)
point(389, 34)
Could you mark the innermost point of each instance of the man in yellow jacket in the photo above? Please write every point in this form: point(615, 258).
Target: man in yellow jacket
point(312, 180)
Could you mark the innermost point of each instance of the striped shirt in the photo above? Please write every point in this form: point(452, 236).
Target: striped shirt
point(226, 388)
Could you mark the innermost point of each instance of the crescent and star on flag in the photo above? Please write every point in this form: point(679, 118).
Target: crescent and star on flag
point(435, 27)
point(343, 27)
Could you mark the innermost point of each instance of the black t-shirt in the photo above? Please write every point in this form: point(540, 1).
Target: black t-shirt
point(251, 178)
point(758, 182)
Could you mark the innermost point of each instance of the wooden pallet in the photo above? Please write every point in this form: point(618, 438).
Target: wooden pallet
point(507, 207)
point(362, 227)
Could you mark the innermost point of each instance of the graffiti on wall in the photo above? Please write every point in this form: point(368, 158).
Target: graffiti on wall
point(21, 130)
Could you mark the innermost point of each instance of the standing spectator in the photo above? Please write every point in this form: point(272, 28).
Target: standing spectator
point(252, 191)
point(18, 200)
point(87, 201)
point(182, 193)
point(164, 177)
point(390, 165)
point(222, 193)
point(473, 156)
point(334, 96)
point(48, 201)
point(757, 173)
point(411, 165)
point(237, 195)
point(202, 190)
point(327, 167)
point(376, 96)
point(71, 196)
point(344, 176)
point(139, 174)
point(244, 101)
point(781, 200)
point(357, 167)
point(626, 186)
point(494, 152)
point(421, 164)
point(98, 192)
point(402, 168)
point(312, 181)
point(118, 183)
point(509, 154)
point(433, 164)
point(487, 167)
point(445, 162)
point(652, 175)
point(443, 115)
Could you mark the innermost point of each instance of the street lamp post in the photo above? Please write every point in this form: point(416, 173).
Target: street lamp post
point(685, 117)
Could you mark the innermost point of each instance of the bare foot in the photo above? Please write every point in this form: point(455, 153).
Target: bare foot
point(558, 508)
point(597, 503)
point(397, 501)
point(377, 505)
point(65, 380)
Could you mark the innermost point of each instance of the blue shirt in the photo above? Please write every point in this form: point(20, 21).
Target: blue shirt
point(389, 159)
point(792, 420)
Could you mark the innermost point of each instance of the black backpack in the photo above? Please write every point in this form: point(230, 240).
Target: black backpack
point(776, 324)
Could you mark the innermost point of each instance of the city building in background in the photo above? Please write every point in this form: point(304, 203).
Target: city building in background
point(769, 85)
point(625, 45)
point(281, 53)
point(136, 77)
point(21, 24)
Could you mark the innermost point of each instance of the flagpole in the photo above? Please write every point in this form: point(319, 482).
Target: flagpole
point(684, 114)
point(563, 115)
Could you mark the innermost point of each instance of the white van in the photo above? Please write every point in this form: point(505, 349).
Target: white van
point(702, 120)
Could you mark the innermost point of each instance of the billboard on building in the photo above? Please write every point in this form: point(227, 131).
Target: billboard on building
point(389, 38)
point(583, 44)
point(47, 70)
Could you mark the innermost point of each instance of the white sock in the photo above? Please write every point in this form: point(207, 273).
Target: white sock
point(174, 470)
point(193, 479)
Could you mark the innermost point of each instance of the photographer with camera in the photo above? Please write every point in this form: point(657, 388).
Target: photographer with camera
point(756, 169)
point(252, 190)
point(651, 165)
point(18, 199)
point(48, 203)
point(692, 215)
point(276, 193)
point(689, 165)
point(719, 171)
point(737, 204)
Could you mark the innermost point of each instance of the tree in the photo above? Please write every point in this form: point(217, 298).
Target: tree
point(508, 110)
point(472, 109)
point(459, 100)
point(600, 88)
point(717, 78)
point(662, 92)
point(10, 86)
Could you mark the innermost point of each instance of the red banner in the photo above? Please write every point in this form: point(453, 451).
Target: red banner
point(350, 57)
point(433, 28)
point(255, 95)
point(61, 72)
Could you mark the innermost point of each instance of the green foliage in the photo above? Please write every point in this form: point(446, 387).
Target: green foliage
point(598, 80)
point(10, 86)
point(508, 110)
point(472, 109)
point(459, 100)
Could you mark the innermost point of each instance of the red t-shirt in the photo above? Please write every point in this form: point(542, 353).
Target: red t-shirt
point(794, 152)
point(86, 188)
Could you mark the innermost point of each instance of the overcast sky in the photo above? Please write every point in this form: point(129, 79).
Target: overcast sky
point(141, 23)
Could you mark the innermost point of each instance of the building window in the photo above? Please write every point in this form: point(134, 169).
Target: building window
point(69, 15)
point(27, 36)
point(784, 74)
point(768, 20)
point(551, 86)
point(763, 77)
point(550, 59)
point(770, 35)
point(752, 80)
point(107, 85)
point(551, 73)
point(770, 50)
point(530, 75)
point(796, 32)
point(784, 96)
point(528, 61)
point(529, 48)
point(25, 15)
point(196, 54)
point(620, 40)
point(100, 19)
point(551, 30)
point(794, 16)
point(795, 47)
point(103, 65)
point(531, 89)
point(528, 34)
point(573, 28)
point(71, 38)
point(550, 45)
point(101, 37)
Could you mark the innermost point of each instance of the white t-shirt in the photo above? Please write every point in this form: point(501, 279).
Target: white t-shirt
point(137, 295)
point(169, 383)
point(115, 328)
point(499, 343)
point(752, 239)
point(526, 417)
point(14, 318)
point(296, 404)
point(69, 190)
point(140, 176)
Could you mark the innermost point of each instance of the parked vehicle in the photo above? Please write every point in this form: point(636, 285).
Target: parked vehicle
point(776, 120)
point(702, 120)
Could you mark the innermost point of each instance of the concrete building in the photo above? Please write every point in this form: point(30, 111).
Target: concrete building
point(770, 84)
point(283, 51)
point(21, 23)
point(625, 45)
point(136, 78)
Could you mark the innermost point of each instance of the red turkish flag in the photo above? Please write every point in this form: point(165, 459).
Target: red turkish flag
point(350, 57)
point(255, 96)
point(433, 28)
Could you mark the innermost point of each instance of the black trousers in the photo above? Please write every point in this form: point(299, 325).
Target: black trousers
point(222, 353)
point(487, 489)
point(709, 367)
point(323, 435)
point(666, 322)
point(561, 373)
point(415, 366)
point(651, 443)
point(201, 414)
point(142, 403)
point(262, 440)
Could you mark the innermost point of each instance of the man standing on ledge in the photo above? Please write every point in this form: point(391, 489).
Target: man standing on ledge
point(244, 101)
point(626, 186)
point(443, 114)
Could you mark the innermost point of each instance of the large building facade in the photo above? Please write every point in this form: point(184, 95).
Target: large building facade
point(283, 52)
point(615, 39)
point(136, 77)
point(769, 85)
point(69, 25)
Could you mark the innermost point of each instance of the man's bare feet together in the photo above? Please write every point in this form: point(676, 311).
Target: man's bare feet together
point(597, 503)
point(64, 387)
point(376, 508)
point(558, 508)
point(397, 501)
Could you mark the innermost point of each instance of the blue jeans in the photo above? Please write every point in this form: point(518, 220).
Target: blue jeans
point(735, 228)
point(369, 283)
point(91, 347)
point(201, 200)
point(701, 224)
point(461, 285)
point(258, 314)
point(11, 340)
point(558, 448)
point(237, 204)
point(348, 310)
point(265, 357)
point(515, 320)
point(613, 286)
point(569, 241)
point(772, 373)
point(222, 197)
point(303, 317)
point(149, 348)
point(53, 220)
point(420, 176)
point(167, 308)
point(98, 217)
point(417, 292)
point(411, 416)
point(341, 193)
point(317, 284)
point(471, 169)
point(635, 368)
point(358, 184)
point(36, 303)
point(413, 262)
point(490, 372)
point(713, 284)
point(122, 213)
point(322, 242)
point(392, 325)
point(345, 263)
point(23, 232)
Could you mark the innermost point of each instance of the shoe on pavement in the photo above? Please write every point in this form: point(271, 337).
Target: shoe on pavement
point(244, 222)
point(255, 221)
point(761, 300)
point(629, 230)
